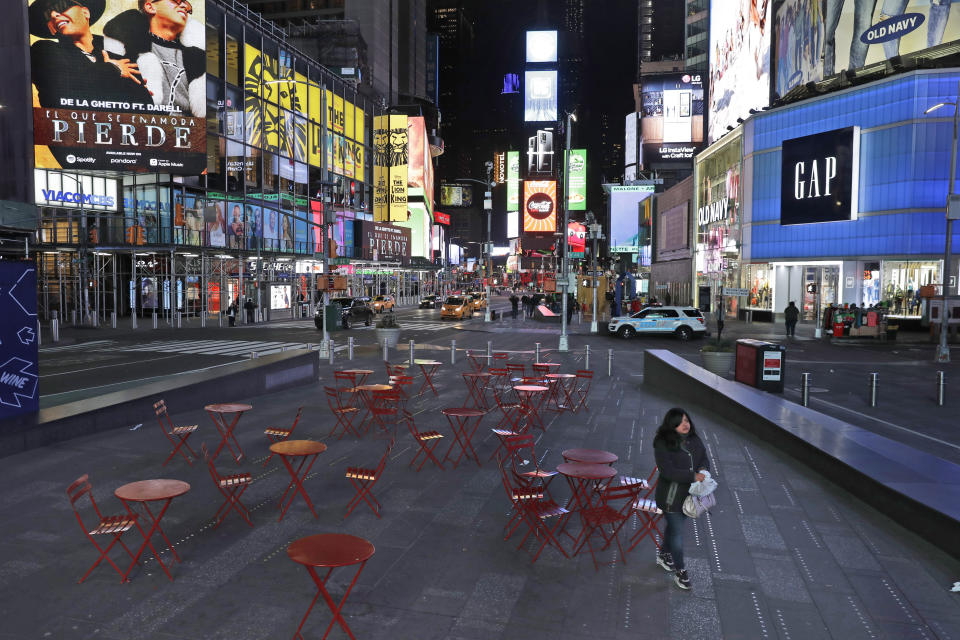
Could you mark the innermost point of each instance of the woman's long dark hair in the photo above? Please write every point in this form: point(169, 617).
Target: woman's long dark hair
point(667, 432)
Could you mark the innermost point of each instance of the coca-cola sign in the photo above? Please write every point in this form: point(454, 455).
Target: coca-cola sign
point(540, 206)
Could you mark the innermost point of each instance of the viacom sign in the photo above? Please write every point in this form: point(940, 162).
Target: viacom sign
point(60, 189)
point(819, 177)
point(713, 212)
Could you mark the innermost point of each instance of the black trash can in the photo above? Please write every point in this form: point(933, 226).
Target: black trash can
point(760, 364)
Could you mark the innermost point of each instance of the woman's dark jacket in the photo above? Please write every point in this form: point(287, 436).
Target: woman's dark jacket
point(678, 462)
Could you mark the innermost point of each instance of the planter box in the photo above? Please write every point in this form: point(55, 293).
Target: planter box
point(392, 336)
point(718, 362)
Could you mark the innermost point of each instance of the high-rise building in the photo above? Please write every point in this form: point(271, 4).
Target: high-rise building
point(697, 35)
point(455, 31)
point(659, 31)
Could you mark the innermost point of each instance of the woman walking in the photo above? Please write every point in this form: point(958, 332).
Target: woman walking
point(681, 458)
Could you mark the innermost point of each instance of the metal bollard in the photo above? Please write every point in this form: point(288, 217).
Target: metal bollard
point(453, 352)
point(73, 317)
point(39, 334)
point(940, 388)
point(154, 319)
point(873, 388)
point(331, 351)
point(536, 355)
point(113, 319)
point(220, 318)
point(586, 357)
point(203, 319)
point(805, 389)
point(179, 320)
point(55, 329)
point(309, 346)
point(133, 320)
point(254, 355)
point(411, 354)
point(350, 348)
point(386, 351)
point(489, 349)
point(609, 362)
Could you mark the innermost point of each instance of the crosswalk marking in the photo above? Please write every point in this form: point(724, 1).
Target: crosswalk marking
point(196, 347)
point(423, 325)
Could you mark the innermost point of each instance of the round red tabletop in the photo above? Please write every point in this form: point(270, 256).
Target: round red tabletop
point(427, 362)
point(148, 490)
point(463, 412)
point(590, 456)
point(374, 387)
point(298, 447)
point(532, 388)
point(547, 364)
point(586, 471)
point(330, 550)
point(477, 374)
point(228, 407)
point(364, 371)
point(559, 376)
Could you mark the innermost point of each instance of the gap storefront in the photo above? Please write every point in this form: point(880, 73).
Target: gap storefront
point(855, 215)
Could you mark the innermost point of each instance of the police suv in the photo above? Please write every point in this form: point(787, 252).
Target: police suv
point(683, 322)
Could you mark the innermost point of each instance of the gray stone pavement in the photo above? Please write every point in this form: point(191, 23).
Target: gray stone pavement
point(785, 554)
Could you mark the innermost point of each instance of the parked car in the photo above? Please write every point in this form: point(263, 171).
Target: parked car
point(431, 302)
point(352, 310)
point(459, 307)
point(382, 303)
point(683, 322)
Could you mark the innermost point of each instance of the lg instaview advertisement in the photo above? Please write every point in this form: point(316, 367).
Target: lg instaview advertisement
point(818, 38)
point(119, 84)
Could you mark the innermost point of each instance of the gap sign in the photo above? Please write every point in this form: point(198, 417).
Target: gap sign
point(819, 177)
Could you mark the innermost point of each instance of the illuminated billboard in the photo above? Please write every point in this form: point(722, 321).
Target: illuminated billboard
point(513, 180)
point(456, 195)
point(540, 206)
point(671, 117)
point(626, 216)
point(739, 62)
point(513, 224)
point(540, 152)
point(541, 46)
point(91, 64)
point(577, 174)
point(811, 48)
point(539, 96)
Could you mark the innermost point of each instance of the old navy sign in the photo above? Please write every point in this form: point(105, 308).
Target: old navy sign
point(819, 177)
point(714, 212)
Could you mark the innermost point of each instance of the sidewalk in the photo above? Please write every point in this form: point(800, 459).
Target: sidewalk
point(784, 554)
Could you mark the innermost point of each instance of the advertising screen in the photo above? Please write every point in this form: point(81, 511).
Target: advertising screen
point(215, 223)
point(540, 206)
point(625, 236)
point(810, 47)
point(280, 296)
point(819, 177)
point(540, 152)
point(92, 62)
point(576, 239)
point(671, 119)
point(673, 232)
point(456, 195)
point(739, 61)
point(539, 96)
point(235, 232)
point(577, 174)
point(513, 180)
point(541, 46)
point(513, 224)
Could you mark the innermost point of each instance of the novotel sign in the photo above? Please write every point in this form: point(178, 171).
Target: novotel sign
point(819, 177)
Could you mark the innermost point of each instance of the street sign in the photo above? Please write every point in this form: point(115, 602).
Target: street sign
point(575, 255)
point(730, 291)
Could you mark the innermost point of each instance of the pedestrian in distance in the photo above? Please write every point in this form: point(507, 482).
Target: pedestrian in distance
point(249, 305)
point(681, 460)
point(525, 302)
point(790, 315)
point(514, 301)
point(232, 314)
point(718, 317)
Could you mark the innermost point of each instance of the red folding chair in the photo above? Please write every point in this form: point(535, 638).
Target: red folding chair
point(114, 526)
point(385, 406)
point(536, 512)
point(343, 412)
point(648, 515)
point(177, 436)
point(500, 360)
point(582, 389)
point(279, 434)
point(616, 507)
point(499, 378)
point(231, 487)
point(523, 460)
point(517, 371)
point(540, 369)
point(401, 383)
point(363, 480)
point(426, 440)
point(393, 370)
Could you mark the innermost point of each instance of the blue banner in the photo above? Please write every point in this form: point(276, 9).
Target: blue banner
point(19, 389)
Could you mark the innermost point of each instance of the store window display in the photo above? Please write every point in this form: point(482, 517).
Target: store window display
point(758, 281)
point(901, 282)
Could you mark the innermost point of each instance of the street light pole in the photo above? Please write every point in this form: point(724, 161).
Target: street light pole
point(594, 235)
point(564, 277)
point(488, 245)
point(943, 349)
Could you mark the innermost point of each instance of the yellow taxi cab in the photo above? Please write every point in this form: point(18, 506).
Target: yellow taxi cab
point(382, 303)
point(479, 300)
point(460, 307)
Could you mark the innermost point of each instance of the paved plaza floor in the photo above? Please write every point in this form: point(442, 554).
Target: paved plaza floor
point(785, 554)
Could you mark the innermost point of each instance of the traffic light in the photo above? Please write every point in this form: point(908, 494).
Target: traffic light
point(812, 288)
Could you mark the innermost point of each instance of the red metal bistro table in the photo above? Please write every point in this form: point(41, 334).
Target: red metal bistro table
point(366, 398)
point(477, 382)
point(307, 451)
point(584, 480)
point(460, 419)
point(562, 390)
point(530, 403)
point(143, 493)
point(330, 551)
point(429, 369)
point(590, 456)
point(218, 413)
